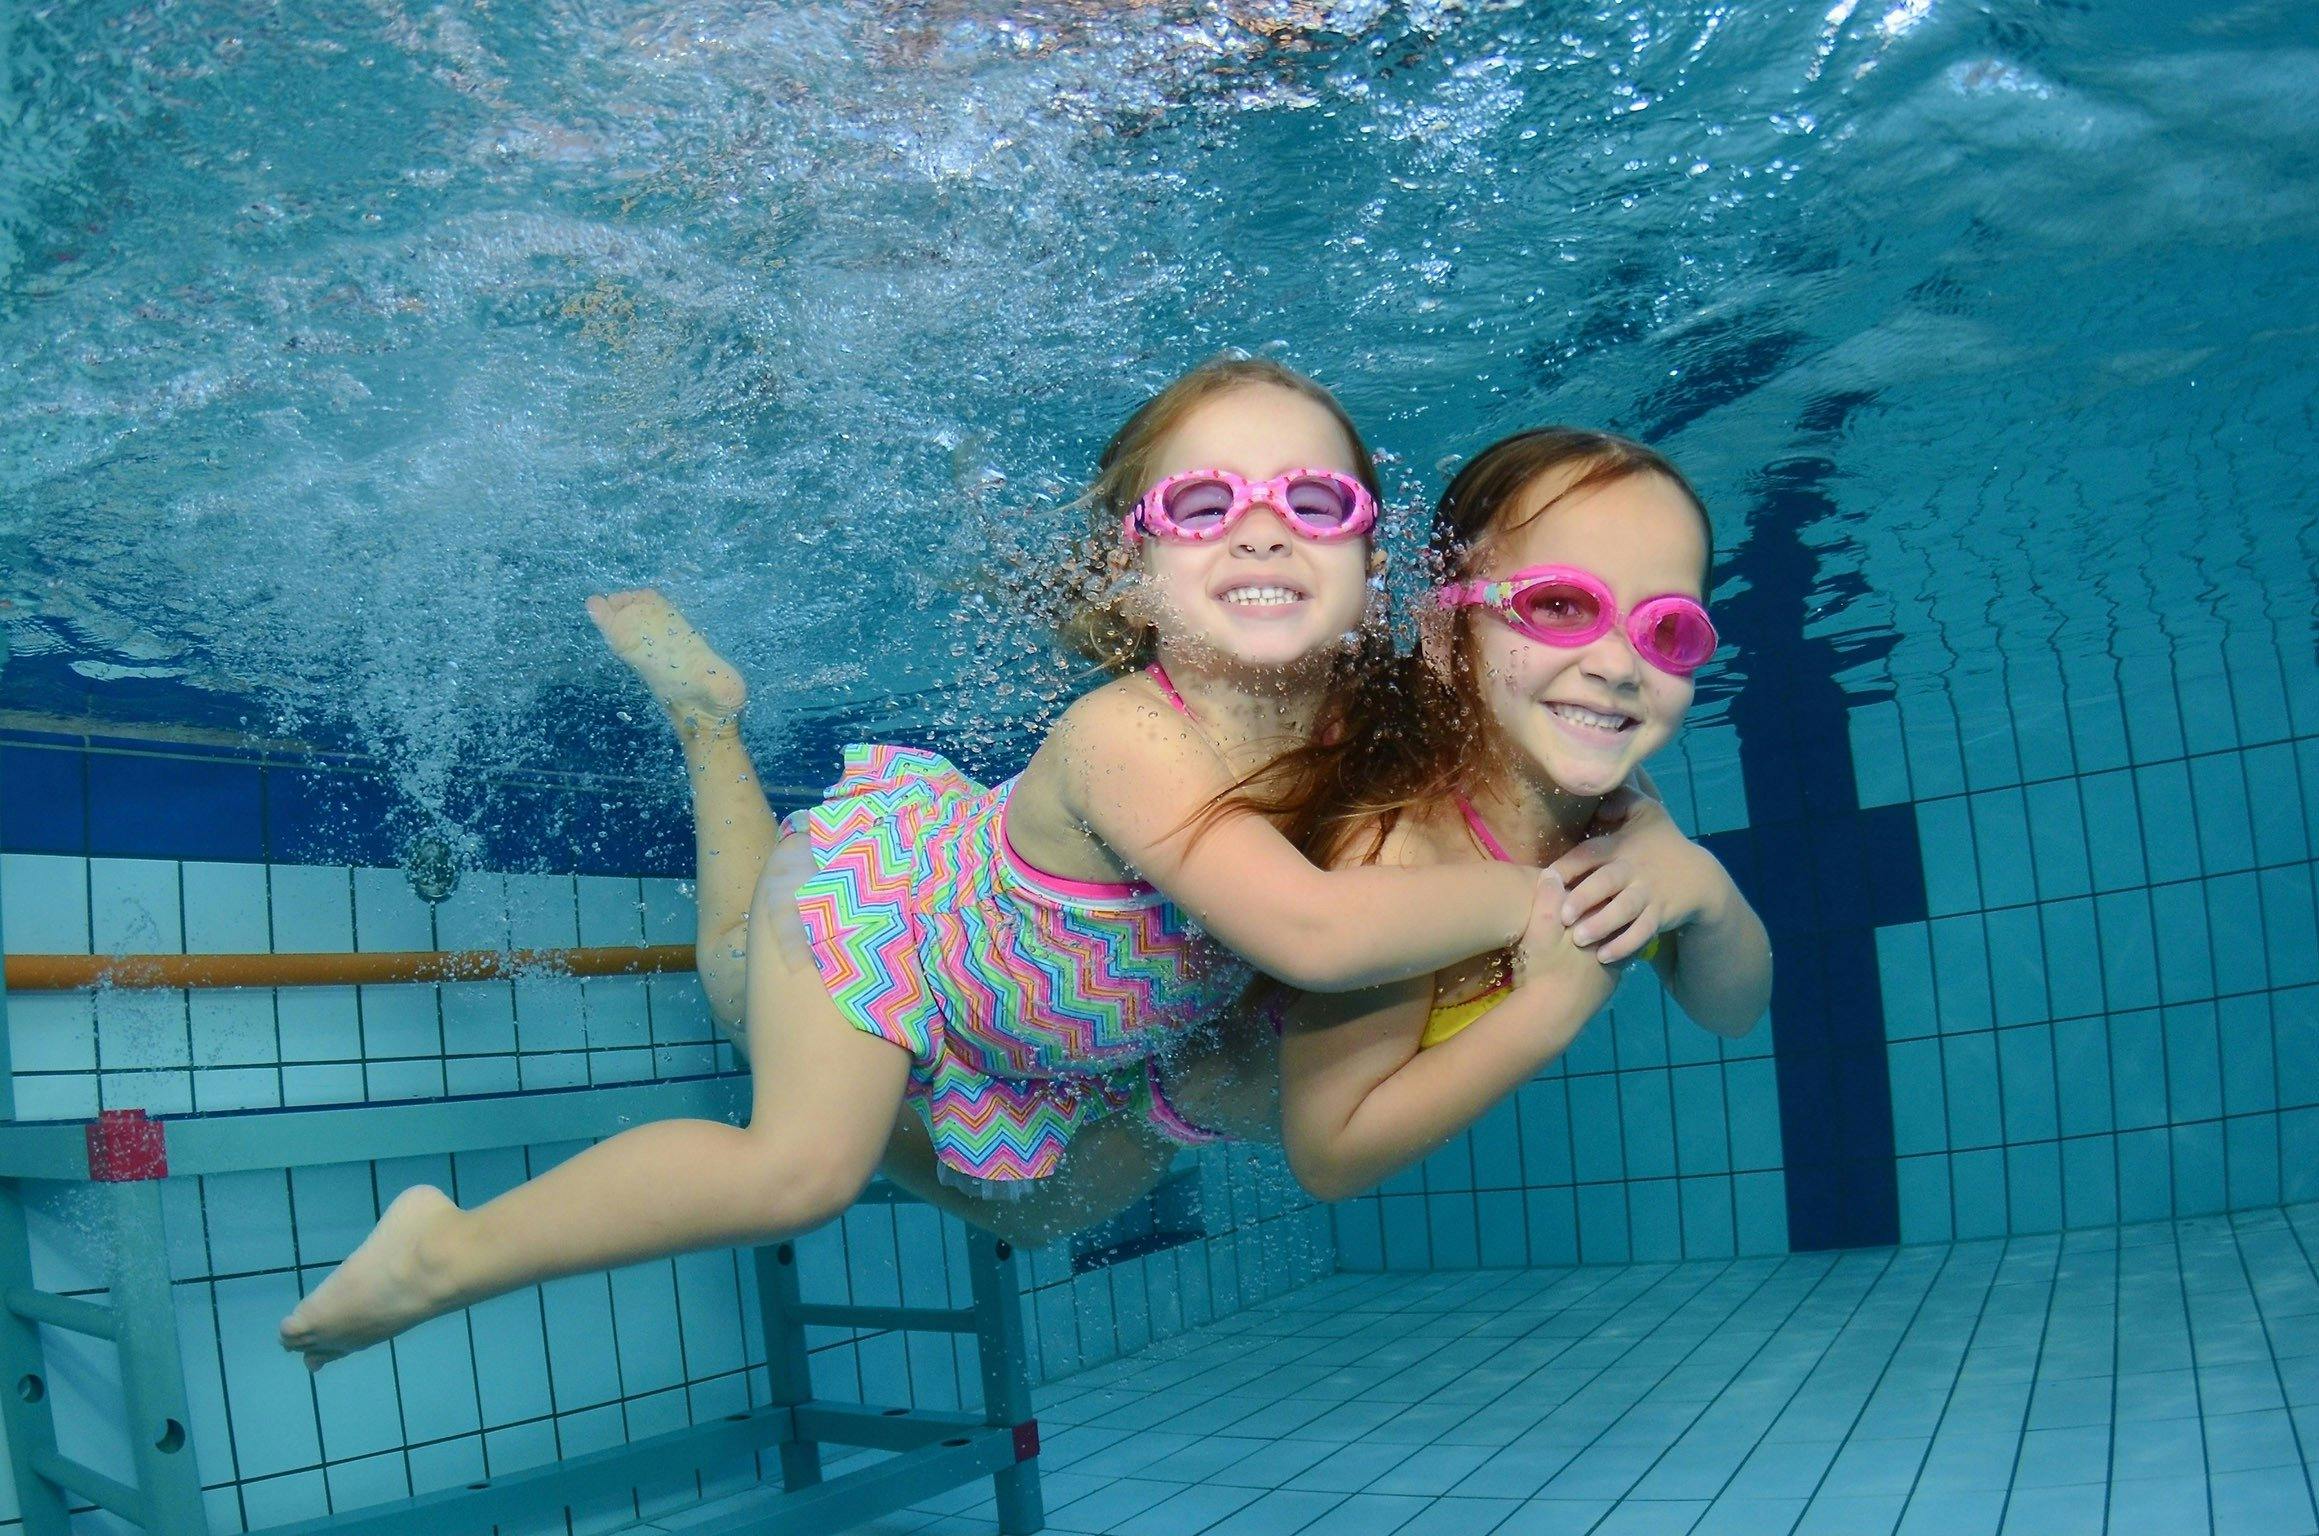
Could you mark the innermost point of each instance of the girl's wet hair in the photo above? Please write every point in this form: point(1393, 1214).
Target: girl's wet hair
point(1095, 621)
point(1408, 732)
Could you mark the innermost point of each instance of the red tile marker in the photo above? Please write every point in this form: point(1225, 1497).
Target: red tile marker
point(126, 1146)
point(1026, 1439)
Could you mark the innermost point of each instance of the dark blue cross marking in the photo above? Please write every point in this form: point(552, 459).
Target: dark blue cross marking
point(1824, 873)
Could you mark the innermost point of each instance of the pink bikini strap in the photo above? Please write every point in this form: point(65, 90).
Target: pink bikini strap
point(1481, 831)
point(1159, 675)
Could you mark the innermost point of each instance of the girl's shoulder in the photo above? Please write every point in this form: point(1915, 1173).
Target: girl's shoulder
point(1118, 712)
point(1421, 836)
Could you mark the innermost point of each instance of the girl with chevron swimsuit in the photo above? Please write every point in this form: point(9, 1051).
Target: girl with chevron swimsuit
point(1011, 966)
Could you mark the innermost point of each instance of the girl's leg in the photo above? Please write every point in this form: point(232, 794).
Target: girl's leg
point(824, 1103)
point(1110, 1165)
point(734, 830)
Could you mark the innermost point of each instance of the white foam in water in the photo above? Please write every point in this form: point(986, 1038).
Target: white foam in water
point(342, 367)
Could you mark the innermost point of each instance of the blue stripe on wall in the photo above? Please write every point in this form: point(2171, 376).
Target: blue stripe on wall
point(1824, 873)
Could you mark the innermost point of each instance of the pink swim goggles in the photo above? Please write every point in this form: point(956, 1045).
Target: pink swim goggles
point(1562, 605)
point(1202, 504)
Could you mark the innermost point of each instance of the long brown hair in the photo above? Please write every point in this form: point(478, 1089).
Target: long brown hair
point(1094, 619)
point(1406, 732)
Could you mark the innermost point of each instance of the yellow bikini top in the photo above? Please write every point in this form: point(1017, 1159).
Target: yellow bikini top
point(1447, 1019)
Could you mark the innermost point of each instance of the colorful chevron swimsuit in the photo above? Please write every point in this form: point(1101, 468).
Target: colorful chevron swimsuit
point(1031, 1005)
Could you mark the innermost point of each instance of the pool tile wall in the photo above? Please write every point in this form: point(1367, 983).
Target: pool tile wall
point(555, 1370)
point(2111, 1010)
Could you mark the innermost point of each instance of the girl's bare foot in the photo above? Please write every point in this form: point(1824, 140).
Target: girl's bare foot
point(384, 1287)
point(699, 689)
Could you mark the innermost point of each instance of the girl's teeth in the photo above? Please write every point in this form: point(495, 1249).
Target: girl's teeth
point(1263, 595)
point(1589, 717)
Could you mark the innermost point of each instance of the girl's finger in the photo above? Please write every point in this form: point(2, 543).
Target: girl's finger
point(1594, 890)
point(1610, 919)
point(1625, 945)
point(1582, 861)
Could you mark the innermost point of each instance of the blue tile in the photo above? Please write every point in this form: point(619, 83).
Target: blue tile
point(2113, 826)
point(2167, 1506)
point(1759, 1204)
point(2128, 950)
point(2057, 839)
point(43, 800)
point(1654, 1221)
point(1702, 1129)
point(1646, 1115)
point(1454, 1227)
point(2185, 953)
point(1944, 831)
point(1709, 1222)
point(2017, 965)
point(2290, 925)
point(2146, 686)
point(2073, 950)
point(2145, 1176)
point(2169, 830)
point(1929, 729)
point(1602, 1224)
point(1594, 1124)
point(2025, 1071)
point(1955, 1512)
point(2138, 1069)
point(2193, 1062)
point(1969, 1071)
point(2097, 721)
point(1879, 755)
point(2089, 1181)
point(1553, 1222)
point(1408, 1236)
point(2218, 788)
point(174, 808)
point(2251, 1161)
point(1360, 1234)
point(2234, 921)
point(1977, 1181)
point(1919, 1104)
point(1904, 967)
point(2198, 1169)
point(2271, 1501)
point(1925, 1213)
point(2274, 805)
point(2033, 1187)
point(1543, 1112)
point(331, 816)
point(1961, 974)
point(1504, 1232)
point(2001, 848)
point(1751, 1093)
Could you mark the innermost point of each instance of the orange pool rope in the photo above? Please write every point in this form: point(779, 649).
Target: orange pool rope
point(65, 973)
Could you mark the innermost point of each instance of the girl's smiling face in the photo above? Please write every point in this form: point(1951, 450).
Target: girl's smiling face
point(1586, 717)
point(1262, 596)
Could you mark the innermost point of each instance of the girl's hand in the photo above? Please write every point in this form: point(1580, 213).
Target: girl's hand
point(1636, 878)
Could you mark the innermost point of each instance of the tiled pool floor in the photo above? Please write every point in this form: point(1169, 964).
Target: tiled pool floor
point(2155, 1380)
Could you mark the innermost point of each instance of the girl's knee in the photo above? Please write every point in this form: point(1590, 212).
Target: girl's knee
point(800, 1187)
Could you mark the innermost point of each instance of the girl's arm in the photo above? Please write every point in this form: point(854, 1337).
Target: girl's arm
point(1359, 1101)
point(1717, 967)
point(1139, 775)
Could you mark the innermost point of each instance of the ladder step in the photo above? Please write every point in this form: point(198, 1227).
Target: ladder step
point(68, 1312)
point(921, 1319)
point(91, 1485)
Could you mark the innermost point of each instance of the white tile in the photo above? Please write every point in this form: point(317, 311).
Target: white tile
point(44, 903)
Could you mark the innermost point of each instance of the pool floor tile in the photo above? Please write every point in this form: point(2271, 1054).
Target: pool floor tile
point(2131, 1381)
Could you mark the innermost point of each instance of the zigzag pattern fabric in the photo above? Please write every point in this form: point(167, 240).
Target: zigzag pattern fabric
point(1028, 1009)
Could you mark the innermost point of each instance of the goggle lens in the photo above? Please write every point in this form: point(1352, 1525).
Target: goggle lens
point(1559, 608)
point(1678, 634)
point(1198, 505)
point(1322, 503)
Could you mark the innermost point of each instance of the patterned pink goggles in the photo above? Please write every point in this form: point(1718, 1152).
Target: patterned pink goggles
point(1202, 504)
point(1562, 605)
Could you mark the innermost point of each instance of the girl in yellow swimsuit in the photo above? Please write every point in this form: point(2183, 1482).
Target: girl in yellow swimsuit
point(1557, 656)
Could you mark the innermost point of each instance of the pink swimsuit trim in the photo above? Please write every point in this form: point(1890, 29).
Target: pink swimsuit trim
point(1089, 890)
